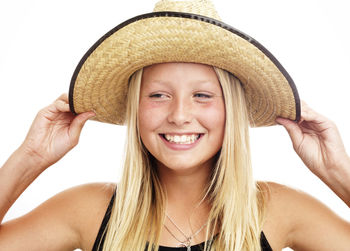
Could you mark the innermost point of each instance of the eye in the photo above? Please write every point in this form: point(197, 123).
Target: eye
point(203, 95)
point(158, 96)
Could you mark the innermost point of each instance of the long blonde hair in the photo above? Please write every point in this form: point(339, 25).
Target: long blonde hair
point(236, 202)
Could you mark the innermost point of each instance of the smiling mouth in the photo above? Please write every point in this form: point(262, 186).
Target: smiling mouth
point(181, 139)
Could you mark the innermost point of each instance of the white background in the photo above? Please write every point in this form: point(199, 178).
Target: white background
point(41, 42)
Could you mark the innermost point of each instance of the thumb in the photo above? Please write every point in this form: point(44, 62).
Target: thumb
point(293, 129)
point(78, 124)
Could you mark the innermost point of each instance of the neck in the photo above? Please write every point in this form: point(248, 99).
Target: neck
point(185, 190)
point(184, 187)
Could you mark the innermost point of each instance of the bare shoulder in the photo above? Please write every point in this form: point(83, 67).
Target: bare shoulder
point(68, 220)
point(87, 196)
point(292, 214)
point(276, 224)
point(87, 206)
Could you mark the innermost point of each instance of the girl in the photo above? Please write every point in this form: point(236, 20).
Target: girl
point(187, 171)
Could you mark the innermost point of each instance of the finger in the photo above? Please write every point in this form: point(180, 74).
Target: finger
point(63, 97)
point(78, 124)
point(62, 106)
point(310, 115)
point(293, 129)
point(315, 121)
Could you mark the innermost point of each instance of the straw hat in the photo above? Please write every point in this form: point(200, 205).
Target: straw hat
point(180, 31)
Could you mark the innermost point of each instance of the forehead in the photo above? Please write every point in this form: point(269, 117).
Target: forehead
point(179, 73)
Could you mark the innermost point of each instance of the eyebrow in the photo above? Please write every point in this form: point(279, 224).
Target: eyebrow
point(206, 82)
point(200, 82)
point(156, 81)
point(198, 85)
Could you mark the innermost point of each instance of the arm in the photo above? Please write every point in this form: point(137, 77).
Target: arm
point(317, 142)
point(54, 132)
point(310, 224)
point(299, 221)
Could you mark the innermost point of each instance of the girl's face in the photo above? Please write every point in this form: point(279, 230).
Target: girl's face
point(181, 114)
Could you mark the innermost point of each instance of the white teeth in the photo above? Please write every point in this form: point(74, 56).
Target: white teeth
point(182, 139)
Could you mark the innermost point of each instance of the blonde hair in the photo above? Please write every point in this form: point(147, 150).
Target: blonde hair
point(236, 202)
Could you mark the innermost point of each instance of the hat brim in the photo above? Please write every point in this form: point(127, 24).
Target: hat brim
point(100, 81)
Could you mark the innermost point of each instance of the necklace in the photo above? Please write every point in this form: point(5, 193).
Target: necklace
point(187, 242)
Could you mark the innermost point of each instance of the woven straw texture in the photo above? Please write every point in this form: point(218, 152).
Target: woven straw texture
point(102, 81)
point(199, 7)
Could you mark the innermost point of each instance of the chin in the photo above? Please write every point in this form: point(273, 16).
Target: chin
point(180, 165)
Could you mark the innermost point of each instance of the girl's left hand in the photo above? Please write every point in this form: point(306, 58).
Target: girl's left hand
point(318, 143)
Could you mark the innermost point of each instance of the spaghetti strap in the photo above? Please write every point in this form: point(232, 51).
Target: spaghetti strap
point(98, 245)
point(265, 245)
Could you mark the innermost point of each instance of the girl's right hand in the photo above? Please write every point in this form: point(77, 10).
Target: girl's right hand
point(54, 131)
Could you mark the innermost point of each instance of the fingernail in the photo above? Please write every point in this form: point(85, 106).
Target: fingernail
point(277, 121)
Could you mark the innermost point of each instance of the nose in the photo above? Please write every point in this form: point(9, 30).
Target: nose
point(180, 112)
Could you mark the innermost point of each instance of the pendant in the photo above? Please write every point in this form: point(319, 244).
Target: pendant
point(187, 245)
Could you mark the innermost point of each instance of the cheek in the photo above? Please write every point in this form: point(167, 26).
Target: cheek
point(213, 117)
point(150, 117)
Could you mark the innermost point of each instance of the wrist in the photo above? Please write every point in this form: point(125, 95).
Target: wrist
point(29, 159)
point(338, 179)
point(17, 173)
point(340, 170)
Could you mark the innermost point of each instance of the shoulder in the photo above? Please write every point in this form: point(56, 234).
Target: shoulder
point(276, 224)
point(83, 195)
point(87, 205)
point(80, 200)
point(292, 214)
point(68, 220)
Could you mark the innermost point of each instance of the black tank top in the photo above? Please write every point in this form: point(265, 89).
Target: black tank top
point(265, 246)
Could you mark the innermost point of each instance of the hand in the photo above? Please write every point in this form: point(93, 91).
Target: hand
point(54, 131)
point(317, 142)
